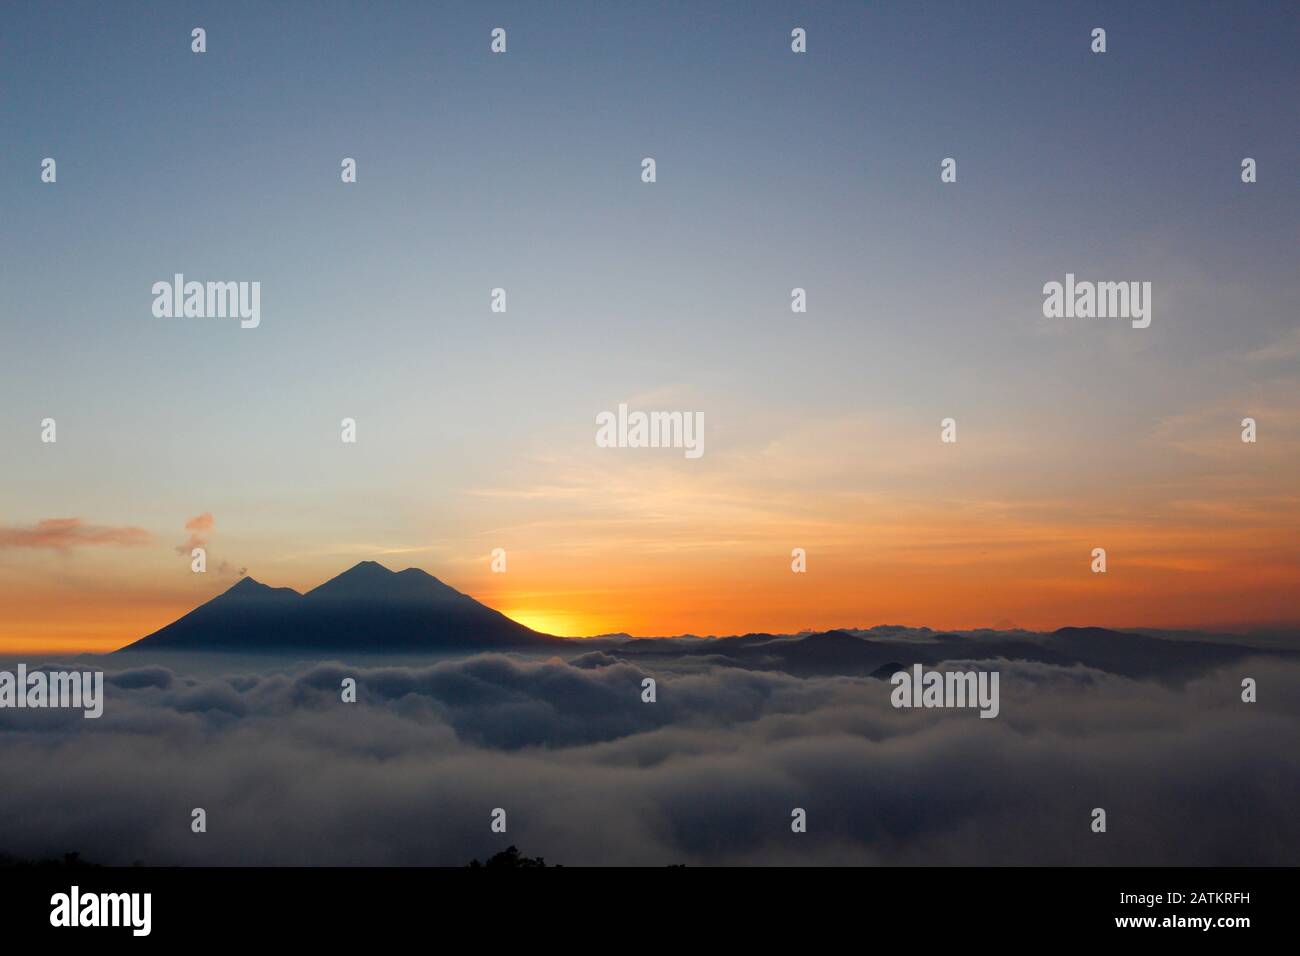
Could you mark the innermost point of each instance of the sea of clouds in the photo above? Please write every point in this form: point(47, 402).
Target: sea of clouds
point(708, 774)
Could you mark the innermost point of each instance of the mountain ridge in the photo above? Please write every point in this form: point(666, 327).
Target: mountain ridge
point(367, 607)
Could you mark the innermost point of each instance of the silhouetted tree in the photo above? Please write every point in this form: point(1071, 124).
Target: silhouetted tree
point(508, 858)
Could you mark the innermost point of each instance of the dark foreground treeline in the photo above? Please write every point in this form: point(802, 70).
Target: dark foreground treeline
point(508, 859)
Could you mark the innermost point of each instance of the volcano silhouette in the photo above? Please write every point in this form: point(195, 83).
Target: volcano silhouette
point(367, 608)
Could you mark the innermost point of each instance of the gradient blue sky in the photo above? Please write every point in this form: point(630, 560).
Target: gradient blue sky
point(774, 171)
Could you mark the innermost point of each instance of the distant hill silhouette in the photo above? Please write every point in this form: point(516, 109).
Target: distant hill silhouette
point(864, 655)
point(367, 608)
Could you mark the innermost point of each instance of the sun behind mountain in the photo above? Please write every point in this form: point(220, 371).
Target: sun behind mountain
point(367, 608)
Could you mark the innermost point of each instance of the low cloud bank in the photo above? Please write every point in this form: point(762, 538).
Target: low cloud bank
point(590, 774)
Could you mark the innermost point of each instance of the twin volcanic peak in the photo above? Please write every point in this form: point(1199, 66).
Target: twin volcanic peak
point(366, 608)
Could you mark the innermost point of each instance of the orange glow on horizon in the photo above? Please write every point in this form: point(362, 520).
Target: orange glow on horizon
point(672, 556)
point(1037, 582)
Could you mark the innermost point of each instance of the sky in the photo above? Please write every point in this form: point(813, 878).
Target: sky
point(775, 170)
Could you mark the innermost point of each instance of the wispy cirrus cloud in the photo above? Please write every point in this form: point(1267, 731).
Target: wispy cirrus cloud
point(1281, 349)
point(63, 534)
